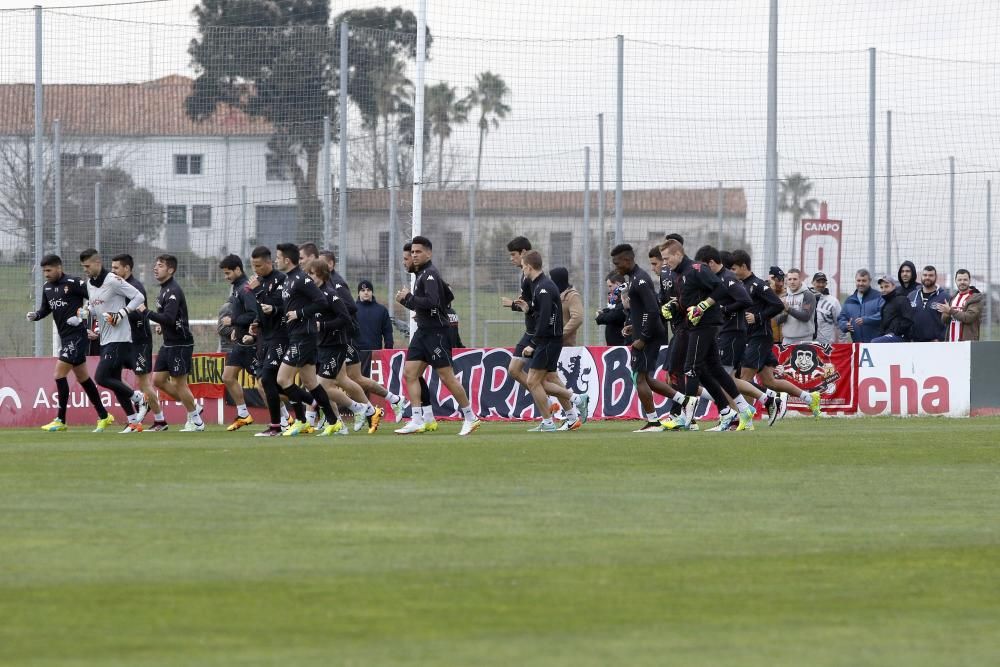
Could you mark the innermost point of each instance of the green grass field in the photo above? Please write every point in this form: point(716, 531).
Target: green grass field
point(838, 542)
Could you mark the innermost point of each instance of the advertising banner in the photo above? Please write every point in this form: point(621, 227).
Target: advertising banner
point(829, 369)
point(914, 379)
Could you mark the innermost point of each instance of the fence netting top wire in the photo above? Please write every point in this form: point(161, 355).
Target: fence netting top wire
point(209, 132)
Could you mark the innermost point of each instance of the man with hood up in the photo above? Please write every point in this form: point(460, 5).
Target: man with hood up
point(897, 315)
point(907, 276)
point(572, 305)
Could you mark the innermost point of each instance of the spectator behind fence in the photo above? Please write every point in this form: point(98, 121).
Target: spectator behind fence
point(776, 278)
point(927, 323)
point(798, 324)
point(612, 316)
point(862, 312)
point(907, 275)
point(897, 315)
point(374, 323)
point(827, 311)
point(572, 305)
point(964, 312)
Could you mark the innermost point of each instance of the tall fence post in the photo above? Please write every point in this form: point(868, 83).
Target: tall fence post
point(342, 139)
point(327, 193)
point(418, 134)
point(472, 267)
point(39, 179)
point(771, 149)
point(605, 262)
point(619, 143)
point(951, 221)
point(245, 244)
point(720, 210)
point(586, 246)
point(871, 159)
point(97, 215)
point(888, 192)
point(989, 260)
point(393, 222)
point(57, 182)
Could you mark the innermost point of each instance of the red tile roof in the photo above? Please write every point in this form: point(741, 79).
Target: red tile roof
point(679, 201)
point(152, 108)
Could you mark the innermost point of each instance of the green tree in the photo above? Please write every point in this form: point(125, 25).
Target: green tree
point(381, 42)
point(272, 60)
point(443, 109)
point(794, 198)
point(489, 96)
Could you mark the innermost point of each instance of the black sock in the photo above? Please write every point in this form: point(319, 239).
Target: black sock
point(62, 389)
point(425, 392)
point(319, 394)
point(272, 397)
point(299, 398)
point(94, 394)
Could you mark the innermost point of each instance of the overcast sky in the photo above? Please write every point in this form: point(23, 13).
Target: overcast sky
point(695, 93)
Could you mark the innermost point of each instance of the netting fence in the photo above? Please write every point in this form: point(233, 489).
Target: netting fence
point(210, 131)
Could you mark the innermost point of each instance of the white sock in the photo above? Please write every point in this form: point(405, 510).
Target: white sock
point(428, 413)
point(573, 413)
point(805, 396)
point(741, 403)
point(547, 421)
point(467, 413)
point(284, 411)
point(707, 396)
point(577, 399)
point(159, 417)
point(311, 417)
point(417, 417)
point(726, 411)
point(392, 398)
point(770, 393)
point(195, 416)
point(652, 417)
point(137, 396)
point(679, 398)
point(133, 419)
point(369, 410)
point(241, 410)
point(358, 408)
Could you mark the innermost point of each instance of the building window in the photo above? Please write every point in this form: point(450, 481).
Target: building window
point(177, 215)
point(187, 165)
point(93, 160)
point(560, 249)
point(277, 170)
point(201, 216)
point(69, 160)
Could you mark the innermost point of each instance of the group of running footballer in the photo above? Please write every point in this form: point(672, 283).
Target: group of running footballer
point(293, 326)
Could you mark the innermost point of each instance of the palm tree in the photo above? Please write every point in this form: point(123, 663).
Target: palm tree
point(389, 86)
point(444, 110)
point(794, 198)
point(488, 95)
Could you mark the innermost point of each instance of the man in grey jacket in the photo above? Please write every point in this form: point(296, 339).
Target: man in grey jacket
point(111, 300)
point(797, 321)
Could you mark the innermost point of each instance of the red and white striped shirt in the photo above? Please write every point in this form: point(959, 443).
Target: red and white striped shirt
point(956, 328)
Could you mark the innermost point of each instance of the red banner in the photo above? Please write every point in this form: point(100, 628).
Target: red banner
point(829, 369)
point(602, 373)
point(27, 391)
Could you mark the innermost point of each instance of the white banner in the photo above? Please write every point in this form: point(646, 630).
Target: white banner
point(914, 379)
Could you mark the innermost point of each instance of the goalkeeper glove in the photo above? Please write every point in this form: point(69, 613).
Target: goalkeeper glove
point(667, 311)
point(74, 321)
point(695, 312)
point(114, 318)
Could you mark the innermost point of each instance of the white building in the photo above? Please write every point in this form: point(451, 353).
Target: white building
point(197, 169)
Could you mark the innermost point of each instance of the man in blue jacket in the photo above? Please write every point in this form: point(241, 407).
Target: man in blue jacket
point(373, 320)
point(861, 316)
